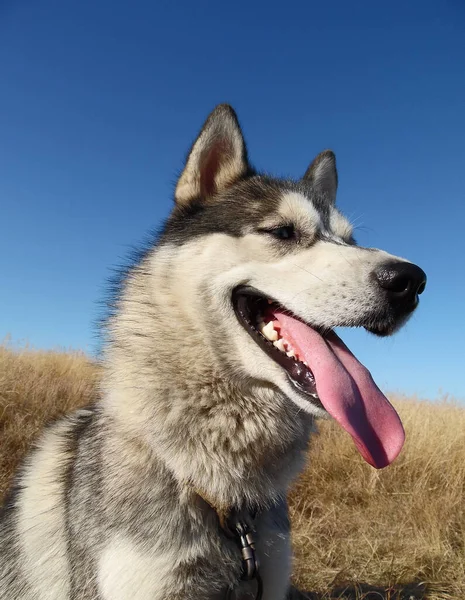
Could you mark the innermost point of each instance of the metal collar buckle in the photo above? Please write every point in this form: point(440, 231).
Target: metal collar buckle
point(244, 535)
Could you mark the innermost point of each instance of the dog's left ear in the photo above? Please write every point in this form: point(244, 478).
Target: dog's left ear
point(217, 159)
point(322, 174)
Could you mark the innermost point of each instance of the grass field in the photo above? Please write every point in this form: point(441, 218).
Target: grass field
point(357, 532)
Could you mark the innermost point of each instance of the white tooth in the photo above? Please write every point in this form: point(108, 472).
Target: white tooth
point(279, 344)
point(305, 364)
point(290, 350)
point(269, 332)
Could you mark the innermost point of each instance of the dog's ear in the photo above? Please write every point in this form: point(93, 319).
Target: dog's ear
point(322, 174)
point(217, 159)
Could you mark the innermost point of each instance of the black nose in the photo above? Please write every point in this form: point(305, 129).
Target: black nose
point(402, 281)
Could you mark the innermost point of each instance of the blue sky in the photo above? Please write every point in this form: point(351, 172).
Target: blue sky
point(100, 100)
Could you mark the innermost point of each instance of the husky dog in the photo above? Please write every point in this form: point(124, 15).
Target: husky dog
point(220, 354)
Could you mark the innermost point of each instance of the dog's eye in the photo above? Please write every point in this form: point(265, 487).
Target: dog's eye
point(285, 232)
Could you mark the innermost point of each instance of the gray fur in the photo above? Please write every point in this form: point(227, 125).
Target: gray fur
point(107, 507)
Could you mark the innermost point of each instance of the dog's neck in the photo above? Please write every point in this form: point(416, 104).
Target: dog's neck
point(226, 444)
point(235, 442)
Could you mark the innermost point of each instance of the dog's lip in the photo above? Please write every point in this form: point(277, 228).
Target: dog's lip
point(379, 331)
point(246, 290)
point(299, 375)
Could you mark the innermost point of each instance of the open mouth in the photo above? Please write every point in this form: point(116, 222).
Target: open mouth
point(321, 367)
point(258, 316)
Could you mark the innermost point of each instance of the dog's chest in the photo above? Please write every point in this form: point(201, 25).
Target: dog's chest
point(129, 572)
point(273, 553)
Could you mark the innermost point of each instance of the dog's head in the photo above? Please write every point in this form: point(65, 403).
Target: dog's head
point(270, 267)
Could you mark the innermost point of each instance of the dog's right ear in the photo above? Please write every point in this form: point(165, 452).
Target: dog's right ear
point(217, 159)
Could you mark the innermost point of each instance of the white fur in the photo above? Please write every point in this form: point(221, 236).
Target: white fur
point(41, 517)
point(126, 572)
point(340, 226)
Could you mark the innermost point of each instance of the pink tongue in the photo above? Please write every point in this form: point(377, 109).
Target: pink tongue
point(347, 391)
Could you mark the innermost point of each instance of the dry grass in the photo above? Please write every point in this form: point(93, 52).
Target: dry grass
point(403, 524)
point(36, 387)
point(351, 524)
